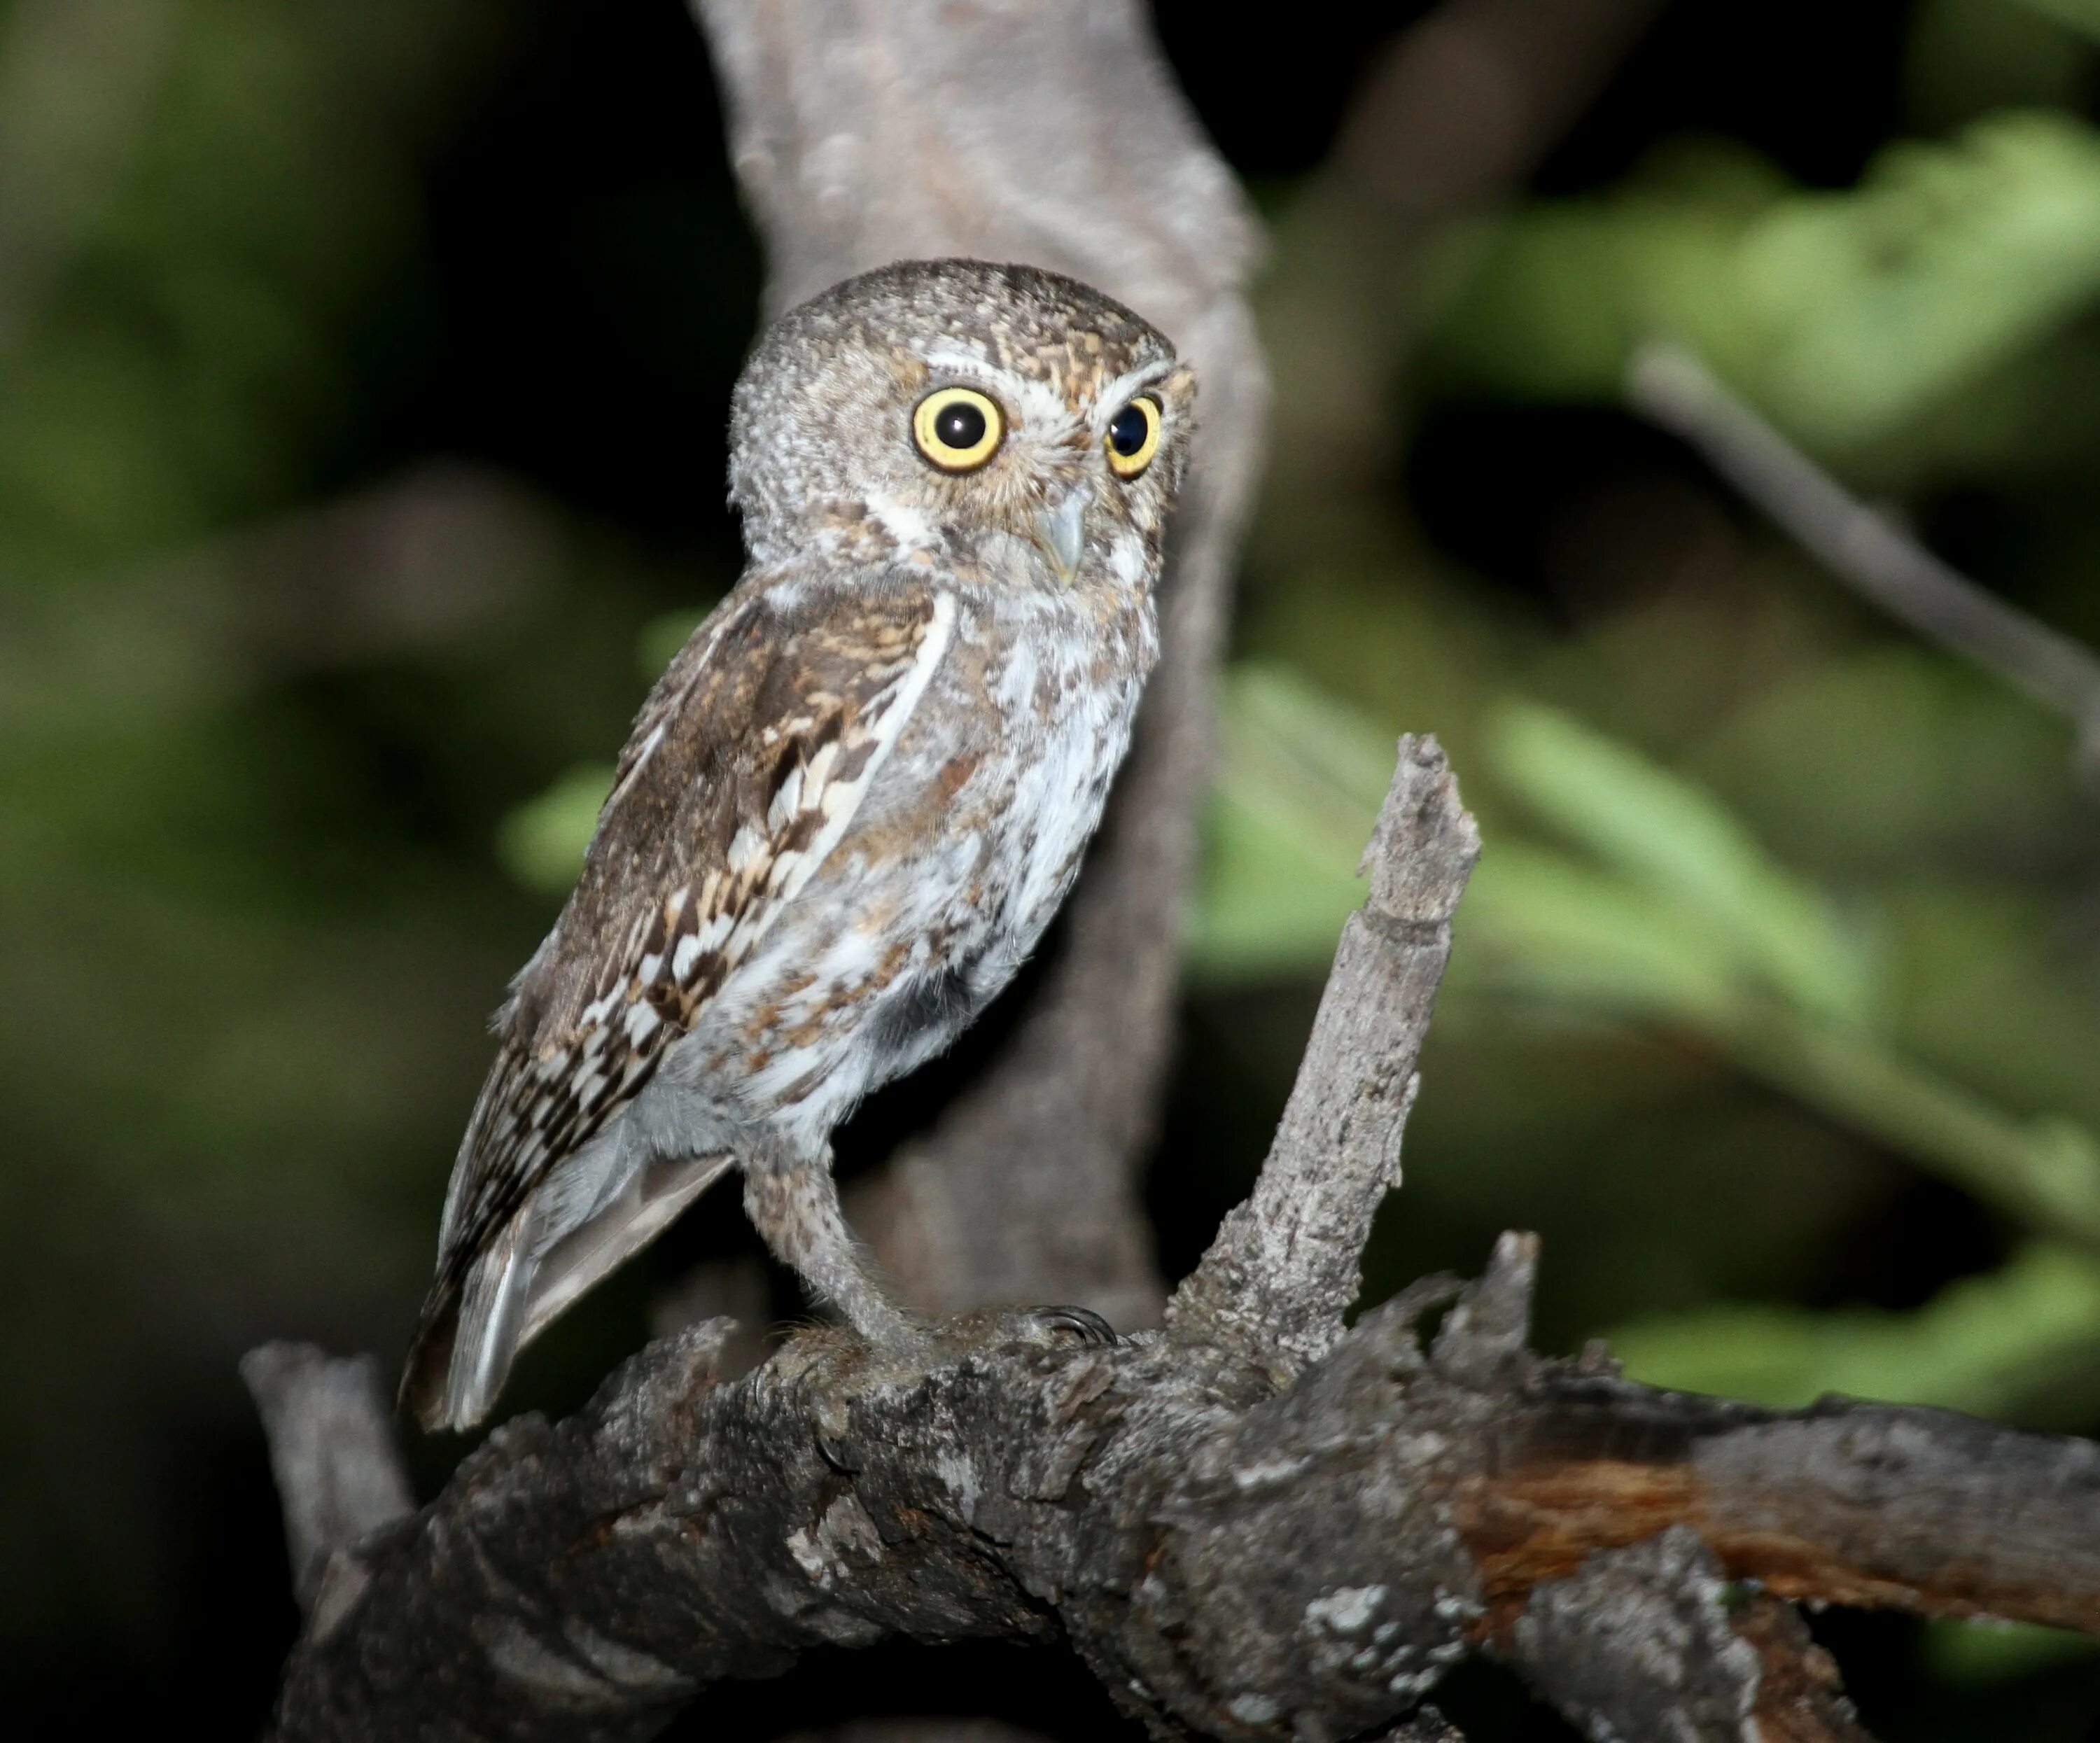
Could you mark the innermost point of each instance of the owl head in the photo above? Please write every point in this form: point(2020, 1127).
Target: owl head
point(998, 422)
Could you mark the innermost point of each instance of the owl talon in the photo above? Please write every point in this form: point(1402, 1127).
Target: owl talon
point(1071, 1325)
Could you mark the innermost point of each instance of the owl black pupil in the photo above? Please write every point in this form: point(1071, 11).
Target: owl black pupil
point(1127, 433)
point(959, 425)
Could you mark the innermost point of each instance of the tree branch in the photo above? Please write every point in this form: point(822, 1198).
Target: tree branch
point(339, 1474)
point(1232, 1560)
point(1053, 135)
point(1866, 551)
point(1242, 1538)
point(1284, 1268)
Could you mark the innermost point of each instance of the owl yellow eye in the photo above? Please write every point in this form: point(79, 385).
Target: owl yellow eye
point(957, 428)
point(1133, 437)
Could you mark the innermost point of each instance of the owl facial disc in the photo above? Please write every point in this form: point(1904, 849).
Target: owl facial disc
point(937, 415)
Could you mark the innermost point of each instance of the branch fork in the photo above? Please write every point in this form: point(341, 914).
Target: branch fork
point(1254, 1524)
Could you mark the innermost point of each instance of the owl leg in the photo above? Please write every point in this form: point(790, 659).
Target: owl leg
point(793, 1201)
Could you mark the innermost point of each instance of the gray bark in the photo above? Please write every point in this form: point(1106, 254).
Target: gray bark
point(1053, 135)
point(1233, 1561)
point(332, 1451)
point(1241, 1536)
point(1285, 1268)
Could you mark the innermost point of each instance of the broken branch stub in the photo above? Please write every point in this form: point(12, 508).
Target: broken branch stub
point(329, 1422)
point(1286, 1264)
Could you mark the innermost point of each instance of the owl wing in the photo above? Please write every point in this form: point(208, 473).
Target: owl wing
point(744, 769)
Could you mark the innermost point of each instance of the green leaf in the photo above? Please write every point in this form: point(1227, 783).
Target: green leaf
point(541, 843)
point(2043, 1170)
point(1549, 302)
point(1681, 923)
point(1948, 260)
point(1302, 781)
point(1939, 758)
point(1846, 316)
point(1992, 1345)
point(1667, 836)
point(1549, 927)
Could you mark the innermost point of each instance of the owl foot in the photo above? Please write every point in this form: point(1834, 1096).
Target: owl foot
point(1062, 1325)
point(795, 1205)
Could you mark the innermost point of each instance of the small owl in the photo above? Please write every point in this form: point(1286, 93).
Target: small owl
point(848, 808)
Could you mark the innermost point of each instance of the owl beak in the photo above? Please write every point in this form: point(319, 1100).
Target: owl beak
point(1061, 532)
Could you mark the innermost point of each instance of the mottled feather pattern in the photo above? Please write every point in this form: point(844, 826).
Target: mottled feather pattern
point(701, 872)
point(847, 812)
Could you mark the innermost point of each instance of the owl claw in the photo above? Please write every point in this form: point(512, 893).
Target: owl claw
point(1071, 1325)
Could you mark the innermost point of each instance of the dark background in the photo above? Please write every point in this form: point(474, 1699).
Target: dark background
point(363, 375)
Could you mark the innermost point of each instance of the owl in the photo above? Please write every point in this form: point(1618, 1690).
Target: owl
point(850, 806)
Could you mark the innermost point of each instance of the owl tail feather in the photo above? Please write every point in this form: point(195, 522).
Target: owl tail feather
point(472, 1333)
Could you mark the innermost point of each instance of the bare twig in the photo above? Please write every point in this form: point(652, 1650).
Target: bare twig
point(1866, 551)
point(331, 1432)
point(1053, 135)
point(1285, 1266)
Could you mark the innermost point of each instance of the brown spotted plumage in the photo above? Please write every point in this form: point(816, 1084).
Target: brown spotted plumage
point(851, 804)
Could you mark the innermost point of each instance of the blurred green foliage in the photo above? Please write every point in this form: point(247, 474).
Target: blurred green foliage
point(262, 703)
point(1850, 316)
point(1776, 1000)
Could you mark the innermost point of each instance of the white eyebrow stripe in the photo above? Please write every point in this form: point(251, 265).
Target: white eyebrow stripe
point(1145, 373)
point(1117, 394)
point(968, 363)
point(961, 363)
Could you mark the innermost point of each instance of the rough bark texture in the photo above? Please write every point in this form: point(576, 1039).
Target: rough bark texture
point(332, 1451)
point(1233, 1561)
point(1284, 1267)
point(1243, 1537)
point(1054, 135)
